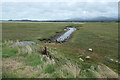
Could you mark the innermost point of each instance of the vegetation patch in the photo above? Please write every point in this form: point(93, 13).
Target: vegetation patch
point(49, 68)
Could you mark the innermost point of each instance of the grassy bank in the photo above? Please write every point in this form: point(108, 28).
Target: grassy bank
point(28, 62)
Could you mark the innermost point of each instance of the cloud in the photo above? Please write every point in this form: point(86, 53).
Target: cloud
point(57, 10)
point(103, 1)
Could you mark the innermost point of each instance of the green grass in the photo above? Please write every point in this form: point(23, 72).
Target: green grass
point(50, 69)
point(42, 64)
point(101, 37)
point(32, 59)
point(8, 52)
point(30, 31)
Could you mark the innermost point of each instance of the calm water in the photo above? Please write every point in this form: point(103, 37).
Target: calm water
point(66, 34)
point(23, 43)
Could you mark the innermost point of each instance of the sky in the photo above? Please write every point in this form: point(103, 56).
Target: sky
point(57, 10)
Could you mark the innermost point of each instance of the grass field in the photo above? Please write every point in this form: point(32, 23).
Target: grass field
point(101, 37)
point(30, 31)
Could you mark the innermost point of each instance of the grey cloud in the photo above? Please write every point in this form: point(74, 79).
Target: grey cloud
point(58, 10)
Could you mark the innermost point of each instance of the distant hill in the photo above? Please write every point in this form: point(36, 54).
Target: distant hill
point(101, 18)
point(94, 19)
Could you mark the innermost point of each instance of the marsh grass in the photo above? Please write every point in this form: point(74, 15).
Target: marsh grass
point(64, 61)
point(30, 31)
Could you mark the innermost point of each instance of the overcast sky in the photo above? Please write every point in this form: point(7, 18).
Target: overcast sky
point(58, 10)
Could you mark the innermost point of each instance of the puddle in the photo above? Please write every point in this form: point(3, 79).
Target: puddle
point(23, 43)
point(66, 35)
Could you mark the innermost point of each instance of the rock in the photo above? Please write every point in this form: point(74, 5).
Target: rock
point(87, 57)
point(80, 55)
point(111, 59)
point(81, 59)
point(65, 29)
point(90, 49)
point(116, 61)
